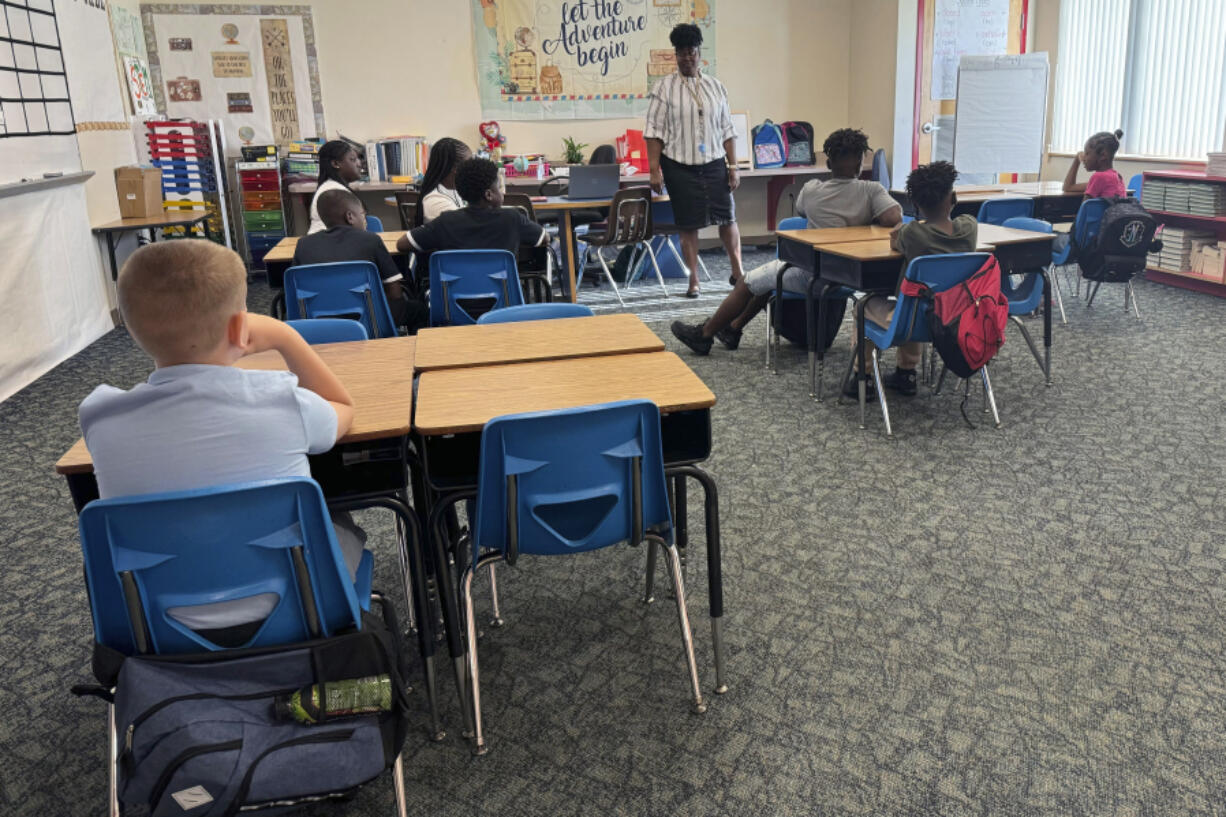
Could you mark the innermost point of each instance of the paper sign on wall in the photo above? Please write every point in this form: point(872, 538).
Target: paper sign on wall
point(140, 86)
point(231, 64)
point(965, 27)
point(279, 66)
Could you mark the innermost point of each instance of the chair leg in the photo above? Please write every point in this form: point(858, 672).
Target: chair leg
point(680, 260)
point(1092, 292)
point(687, 637)
point(702, 265)
point(398, 783)
point(941, 380)
point(113, 765)
point(474, 678)
point(770, 330)
point(609, 277)
point(885, 409)
point(1055, 290)
point(496, 614)
point(1034, 350)
point(649, 591)
point(1131, 292)
point(988, 393)
point(655, 266)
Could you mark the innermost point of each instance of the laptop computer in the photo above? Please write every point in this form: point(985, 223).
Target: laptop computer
point(594, 181)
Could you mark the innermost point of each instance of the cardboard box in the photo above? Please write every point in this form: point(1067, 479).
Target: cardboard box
point(1211, 262)
point(140, 191)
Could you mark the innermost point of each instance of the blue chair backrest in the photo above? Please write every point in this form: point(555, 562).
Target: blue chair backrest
point(1034, 225)
point(147, 555)
point(348, 289)
point(881, 171)
point(329, 330)
point(906, 219)
point(995, 211)
point(536, 312)
point(564, 481)
point(476, 280)
point(1089, 219)
point(1134, 184)
point(938, 273)
point(374, 224)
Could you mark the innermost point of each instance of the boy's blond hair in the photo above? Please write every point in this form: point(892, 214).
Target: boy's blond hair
point(176, 297)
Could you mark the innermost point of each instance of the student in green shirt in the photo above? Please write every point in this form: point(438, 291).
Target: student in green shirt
point(931, 188)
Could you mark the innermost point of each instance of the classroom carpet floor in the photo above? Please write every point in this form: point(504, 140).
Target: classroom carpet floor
point(1022, 621)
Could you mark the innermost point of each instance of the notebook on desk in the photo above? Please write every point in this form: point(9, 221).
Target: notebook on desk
point(594, 181)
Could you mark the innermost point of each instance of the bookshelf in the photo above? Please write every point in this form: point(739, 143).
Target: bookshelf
point(1191, 206)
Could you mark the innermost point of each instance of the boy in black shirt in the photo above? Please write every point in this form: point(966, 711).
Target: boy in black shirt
point(346, 239)
point(483, 225)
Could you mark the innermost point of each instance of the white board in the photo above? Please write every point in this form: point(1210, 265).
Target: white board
point(1002, 114)
point(965, 28)
point(740, 124)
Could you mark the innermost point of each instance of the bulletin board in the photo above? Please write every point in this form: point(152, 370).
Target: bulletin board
point(253, 68)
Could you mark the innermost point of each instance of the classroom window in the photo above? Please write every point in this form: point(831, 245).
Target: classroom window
point(1155, 68)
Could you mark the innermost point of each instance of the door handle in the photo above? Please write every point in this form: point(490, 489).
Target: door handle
point(929, 127)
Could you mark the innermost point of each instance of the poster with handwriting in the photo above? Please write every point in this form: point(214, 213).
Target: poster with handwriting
point(579, 59)
point(965, 28)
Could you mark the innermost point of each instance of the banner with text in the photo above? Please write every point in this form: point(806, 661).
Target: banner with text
point(579, 59)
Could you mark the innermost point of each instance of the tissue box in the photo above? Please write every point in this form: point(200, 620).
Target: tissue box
point(140, 191)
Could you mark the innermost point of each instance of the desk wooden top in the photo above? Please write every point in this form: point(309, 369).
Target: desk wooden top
point(990, 237)
point(563, 203)
point(456, 401)
point(377, 373)
point(178, 218)
point(356, 187)
point(283, 250)
point(983, 192)
point(837, 235)
point(456, 347)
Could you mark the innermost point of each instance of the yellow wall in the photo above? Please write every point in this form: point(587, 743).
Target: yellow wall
point(874, 29)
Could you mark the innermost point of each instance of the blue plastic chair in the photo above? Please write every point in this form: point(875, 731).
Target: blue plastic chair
point(910, 320)
point(343, 289)
point(329, 330)
point(466, 283)
point(146, 556)
point(881, 171)
point(1085, 229)
point(997, 211)
point(1134, 184)
point(536, 312)
point(374, 224)
point(1028, 295)
point(561, 482)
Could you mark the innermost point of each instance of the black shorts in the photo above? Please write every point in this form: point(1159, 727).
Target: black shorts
point(699, 193)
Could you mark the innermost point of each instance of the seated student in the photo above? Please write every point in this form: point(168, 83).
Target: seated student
point(484, 224)
point(1099, 154)
point(346, 239)
point(843, 201)
point(339, 166)
point(438, 193)
point(931, 188)
point(199, 421)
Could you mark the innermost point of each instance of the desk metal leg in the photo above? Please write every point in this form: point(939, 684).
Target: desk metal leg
point(715, 577)
point(110, 251)
point(208, 233)
point(681, 517)
point(568, 231)
point(817, 337)
point(861, 373)
point(1047, 327)
point(447, 594)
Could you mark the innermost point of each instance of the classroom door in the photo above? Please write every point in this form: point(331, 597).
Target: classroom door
point(978, 27)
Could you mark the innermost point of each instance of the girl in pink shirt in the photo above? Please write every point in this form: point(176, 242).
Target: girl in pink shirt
point(1099, 153)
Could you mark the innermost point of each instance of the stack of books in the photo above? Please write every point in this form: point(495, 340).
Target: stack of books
point(402, 158)
point(1217, 164)
point(1206, 199)
point(302, 159)
point(1153, 194)
point(1178, 247)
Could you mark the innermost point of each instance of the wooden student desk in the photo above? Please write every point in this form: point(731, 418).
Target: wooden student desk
point(457, 347)
point(1051, 203)
point(179, 218)
point(453, 406)
point(281, 257)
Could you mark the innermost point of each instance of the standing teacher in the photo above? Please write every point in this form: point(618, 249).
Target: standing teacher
point(691, 146)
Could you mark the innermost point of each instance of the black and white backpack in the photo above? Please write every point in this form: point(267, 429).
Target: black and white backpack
point(1125, 237)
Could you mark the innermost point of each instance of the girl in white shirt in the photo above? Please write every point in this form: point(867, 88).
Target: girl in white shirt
point(438, 194)
point(339, 166)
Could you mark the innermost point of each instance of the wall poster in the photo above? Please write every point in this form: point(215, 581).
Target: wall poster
point(578, 59)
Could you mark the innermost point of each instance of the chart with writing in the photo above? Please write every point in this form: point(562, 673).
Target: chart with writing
point(33, 84)
point(965, 28)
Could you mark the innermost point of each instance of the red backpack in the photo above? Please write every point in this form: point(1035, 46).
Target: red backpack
point(966, 322)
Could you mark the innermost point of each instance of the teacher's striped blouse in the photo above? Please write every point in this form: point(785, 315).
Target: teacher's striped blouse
point(672, 117)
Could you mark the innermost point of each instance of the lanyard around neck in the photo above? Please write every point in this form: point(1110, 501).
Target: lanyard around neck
point(695, 95)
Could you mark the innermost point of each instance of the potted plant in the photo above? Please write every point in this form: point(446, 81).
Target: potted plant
point(574, 151)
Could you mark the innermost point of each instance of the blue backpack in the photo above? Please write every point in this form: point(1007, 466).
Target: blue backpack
point(769, 148)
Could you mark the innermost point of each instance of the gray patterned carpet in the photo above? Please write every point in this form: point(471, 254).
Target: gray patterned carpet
point(1024, 621)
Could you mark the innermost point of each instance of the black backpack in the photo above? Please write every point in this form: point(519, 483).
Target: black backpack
point(798, 136)
point(1125, 237)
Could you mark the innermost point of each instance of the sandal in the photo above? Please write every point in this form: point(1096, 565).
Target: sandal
point(693, 293)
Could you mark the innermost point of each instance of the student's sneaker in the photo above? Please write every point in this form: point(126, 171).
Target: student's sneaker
point(901, 381)
point(691, 336)
point(870, 389)
point(730, 337)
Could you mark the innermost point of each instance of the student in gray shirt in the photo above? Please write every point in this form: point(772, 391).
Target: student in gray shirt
point(843, 201)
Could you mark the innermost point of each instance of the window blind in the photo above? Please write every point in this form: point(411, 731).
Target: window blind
point(1155, 68)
